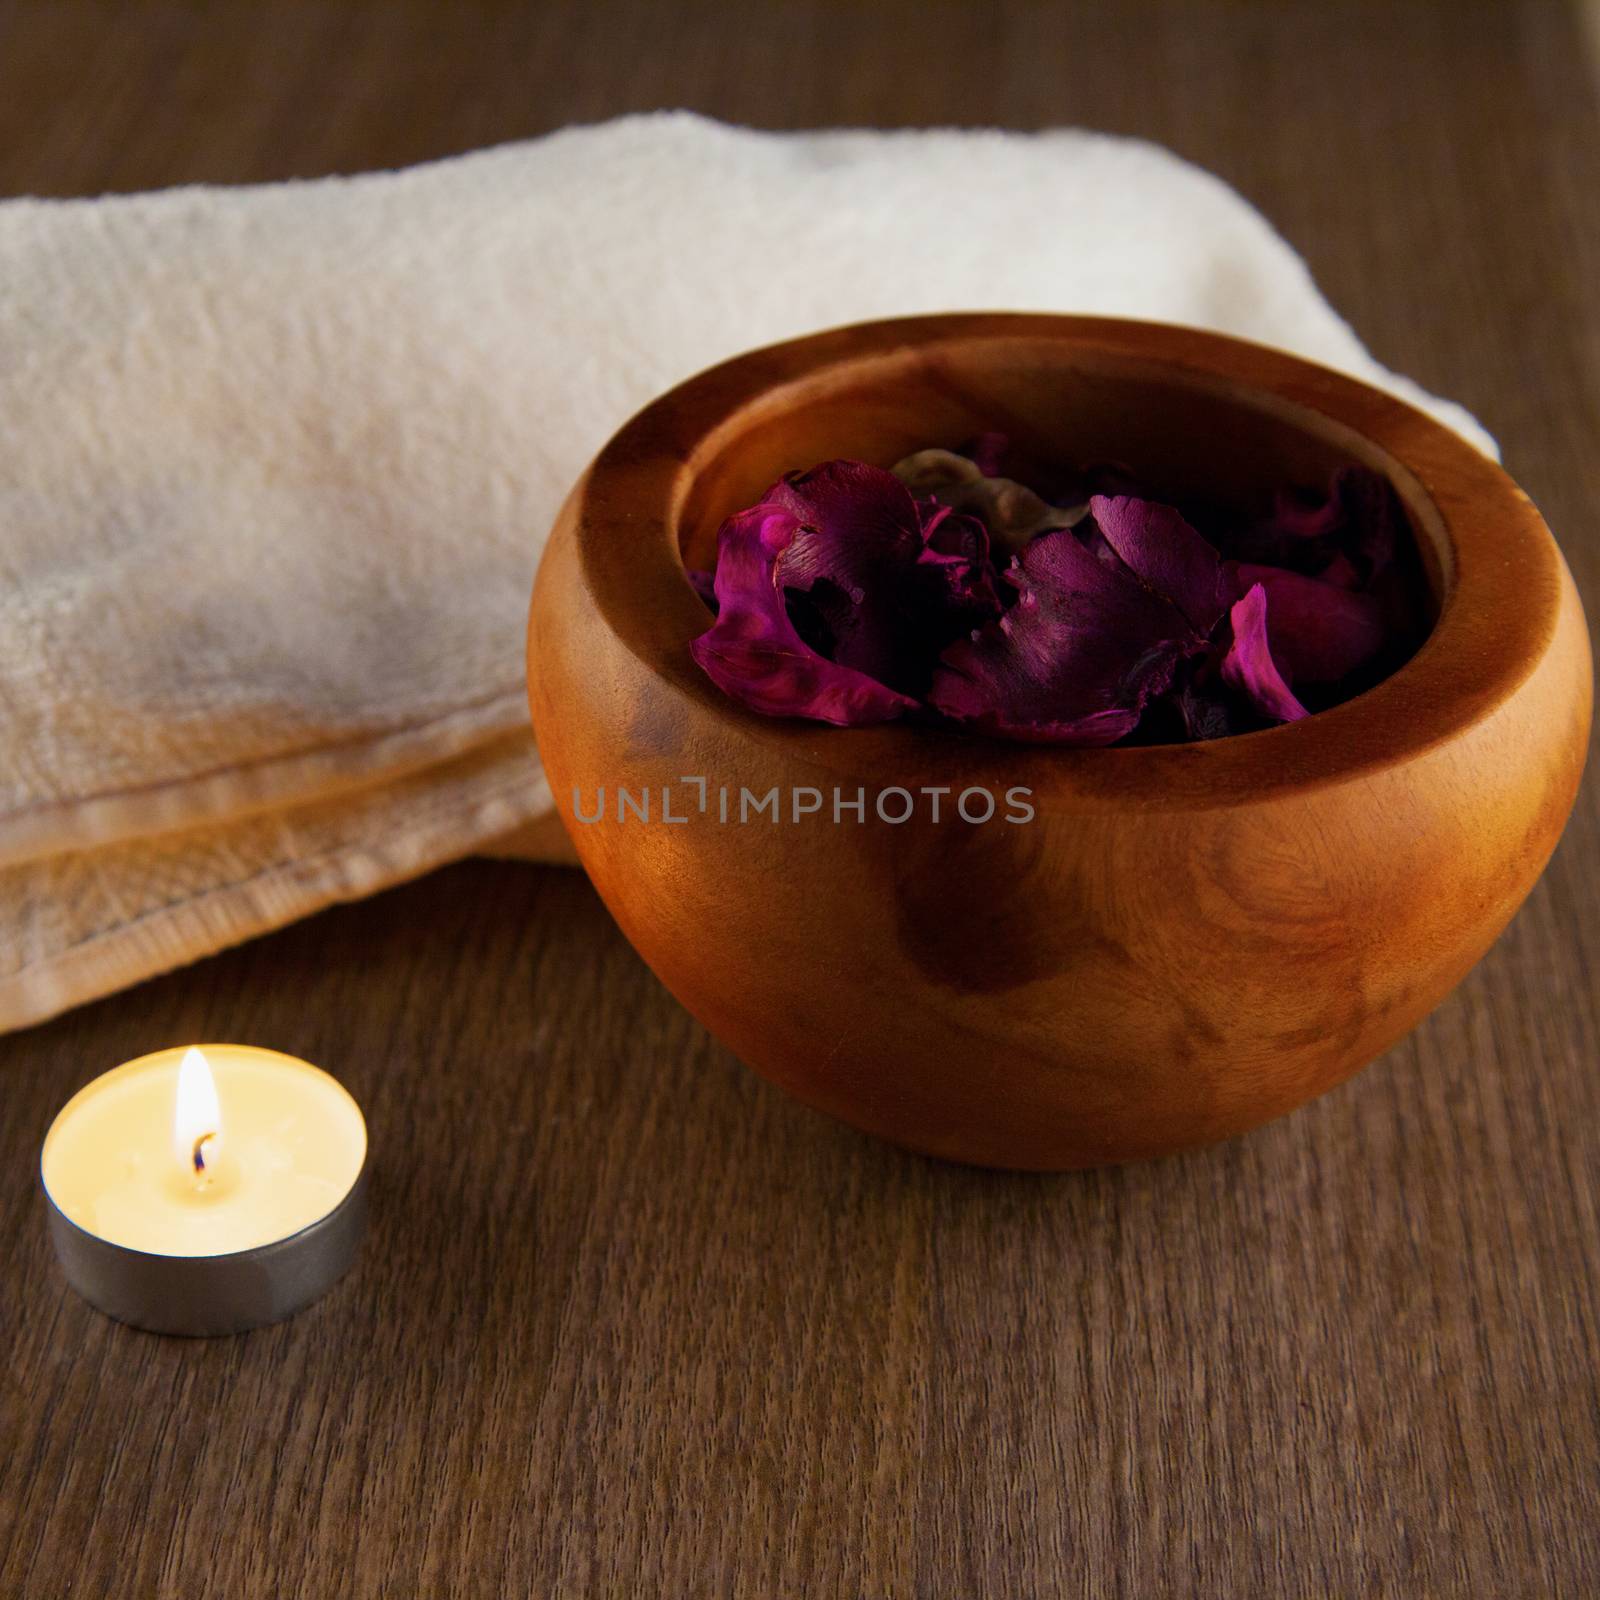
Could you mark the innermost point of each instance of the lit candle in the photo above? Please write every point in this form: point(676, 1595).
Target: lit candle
point(206, 1190)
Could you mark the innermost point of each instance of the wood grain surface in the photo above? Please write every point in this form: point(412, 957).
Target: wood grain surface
point(629, 1322)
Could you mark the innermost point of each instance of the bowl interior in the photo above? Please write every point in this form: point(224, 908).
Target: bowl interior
point(1196, 417)
point(1186, 435)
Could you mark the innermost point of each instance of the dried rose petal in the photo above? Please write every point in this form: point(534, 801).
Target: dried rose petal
point(1295, 515)
point(753, 651)
point(1318, 632)
point(958, 545)
point(892, 587)
point(1341, 573)
point(1164, 552)
point(1012, 512)
point(852, 594)
point(1370, 534)
point(1358, 519)
point(1248, 663)
point(1074, 660)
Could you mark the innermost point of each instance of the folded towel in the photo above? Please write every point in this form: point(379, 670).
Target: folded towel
point(278, 464)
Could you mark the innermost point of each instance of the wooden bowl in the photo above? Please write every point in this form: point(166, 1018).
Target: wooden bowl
point(1186, 940)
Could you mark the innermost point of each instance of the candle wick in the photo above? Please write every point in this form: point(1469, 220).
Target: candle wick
point(200, 1155)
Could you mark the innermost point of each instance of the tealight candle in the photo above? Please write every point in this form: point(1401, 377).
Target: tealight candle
point(206, 1190)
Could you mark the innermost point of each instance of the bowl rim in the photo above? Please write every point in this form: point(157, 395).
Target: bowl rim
point(1499, 570)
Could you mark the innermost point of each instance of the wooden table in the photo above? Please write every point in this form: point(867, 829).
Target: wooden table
point(630, 1323)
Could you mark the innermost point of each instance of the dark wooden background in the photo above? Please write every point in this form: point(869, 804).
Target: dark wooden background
point(629, 1322)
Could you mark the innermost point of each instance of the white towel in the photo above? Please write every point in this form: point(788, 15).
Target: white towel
point(276, 466)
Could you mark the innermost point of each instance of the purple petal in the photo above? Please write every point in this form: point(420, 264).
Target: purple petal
point(1296, 516)
point(853, 518)
point(1340, 573)
point(1318, 632)
point(1011, 513)
point(1164, 552)
point(891, 587)
point(1248, 664)
point(754, 654)
point(1358, 519)
point(1074, 660)
point(958, 546)
point(1371, 519)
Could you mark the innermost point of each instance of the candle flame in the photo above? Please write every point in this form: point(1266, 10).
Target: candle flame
point(197, 1117)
